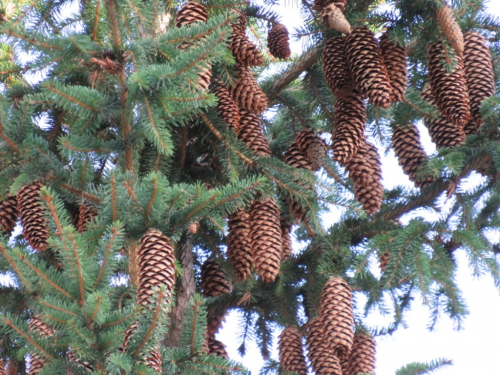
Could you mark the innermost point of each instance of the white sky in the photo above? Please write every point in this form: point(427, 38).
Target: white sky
point(474, 350)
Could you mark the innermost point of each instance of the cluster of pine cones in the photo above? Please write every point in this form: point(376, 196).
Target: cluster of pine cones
point(333, 347)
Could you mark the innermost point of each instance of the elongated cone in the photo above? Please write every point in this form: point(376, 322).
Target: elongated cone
point(213, 279)
point(215, 324)
point(239, 250)
point(348, 130)
point(323, 361)
point(395, 62)
point(362, 357)
point(286, 238)
point(479, 75)
point(426, 94)
point(244, 50)
point(409, 151)
point(216, 347)
point(30, 211)
point(86, 213)
point(384, 259)
point(448, 89)
point(12, 367)
point(246, 91)
point(2, 367)
point(251, 133)
point(313, 148)
point(265, 235)
point(190, 13)
point(371, 194)
point(37, 325)
point(444, 133)
point(84, 364)
point(8, 214)
point(153, 360)
point(277, 41)
point(337, 317)
point(367, 68)
point(290, 349)
point(226, 106)
point(451, 28)
point(333, 18)
point(335, 66)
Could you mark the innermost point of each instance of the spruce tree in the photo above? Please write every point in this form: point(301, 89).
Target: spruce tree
point(153, 193)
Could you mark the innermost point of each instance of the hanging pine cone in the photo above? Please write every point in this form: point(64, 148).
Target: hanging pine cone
point(295, 158)
point(323, 361)
point(366, 64)
point(320, 4)
point(333, 18)
point(336, 316)
point(286, 239)
point(215, 324)
point(8, 214)
point(246, 91)
point(156, 265)
point(265, 235)
point(448, 89)
point(426, 94)
point(451, 28)
point(86, 365)
point(153, 360)
point(349, 127)
point(86, 213)
point(444, 133)
point(409, 151)
point(251, 133)
point(12, 367)
point(239, 26)
point(335, 66)
point(362, 357)
point(2, 367)
point(313, 148)
point(277, 41)
point(239, 251)
point(244, 51)
point(30, 211)
point(213, 279)
point(190, 13)
point(215, 347)
point(290, 348)
point(37, 325)
point(226, 106)
point(395, 62)
point(479, 75)
point(384, 259)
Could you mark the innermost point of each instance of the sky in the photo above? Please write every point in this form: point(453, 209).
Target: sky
point(474, 349)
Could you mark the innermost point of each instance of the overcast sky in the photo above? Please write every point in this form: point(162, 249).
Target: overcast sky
point(474, 350)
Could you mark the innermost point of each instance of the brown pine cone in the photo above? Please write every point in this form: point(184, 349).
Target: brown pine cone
point(2, 367)
point(239, 250)
point(323, 361)
point(8, 214)
point(244, 51)
point(333, 18)
point(366, 64)
point(349, 127)
point(86, 213)
point(239, 26)
point(215, 324)
point(451, 28)
point(290, 348)
point(394, 57)
point(37, 325)
point(286, 238)
point(213, 279)
point(193, 227)
point(479, 75)
point(337, 317)
point(362, 357)
point(426, 94)
point(265, 235)
point(84, 364)
point(12, 367)
point(277, 42)
point(335, 66)
point(190, 13)
point(444, 133)
point(251, 133)
point(153, 360)
point(448, 89)
point(216, 347)
point(156, 265)
point(409, 151)
point(384, 259)
point(313, 147)
point(226, 106)
point(246, 91)
point(295, 158)
point(35, 229)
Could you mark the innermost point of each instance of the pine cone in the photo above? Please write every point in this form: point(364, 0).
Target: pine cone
point(2, 367)
point(362, 357)
point(246, 91)
point(11, 368)
point(226, 106)
point(333, 18)
point(156, 265)
point(84, 364)
point(190, 13)
point(448, 89)
point(251, 133)
point(213, 279)
point(336, 316)
point(35, 229)
point(335, 66)
point(286, 248)
point(239, 249)
point(153, 360)
point(451, 28)
point(8, 214)
point(384, 260)
point(86, 213)
point(395, 62)
point(313, 148)
point(320, 4)
point(290, 348)
point(265, 234)
point(239, 26)
point(443, 133)
point(409, 151)
point(323, 361)
point(349, 128)
point(366, 64)
point(215, 347)
point(37, 325)
point(426, 94)
point(244, 51)
point(479, 75)
point(193, 227)
point(277, 42)
point(215, 324)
